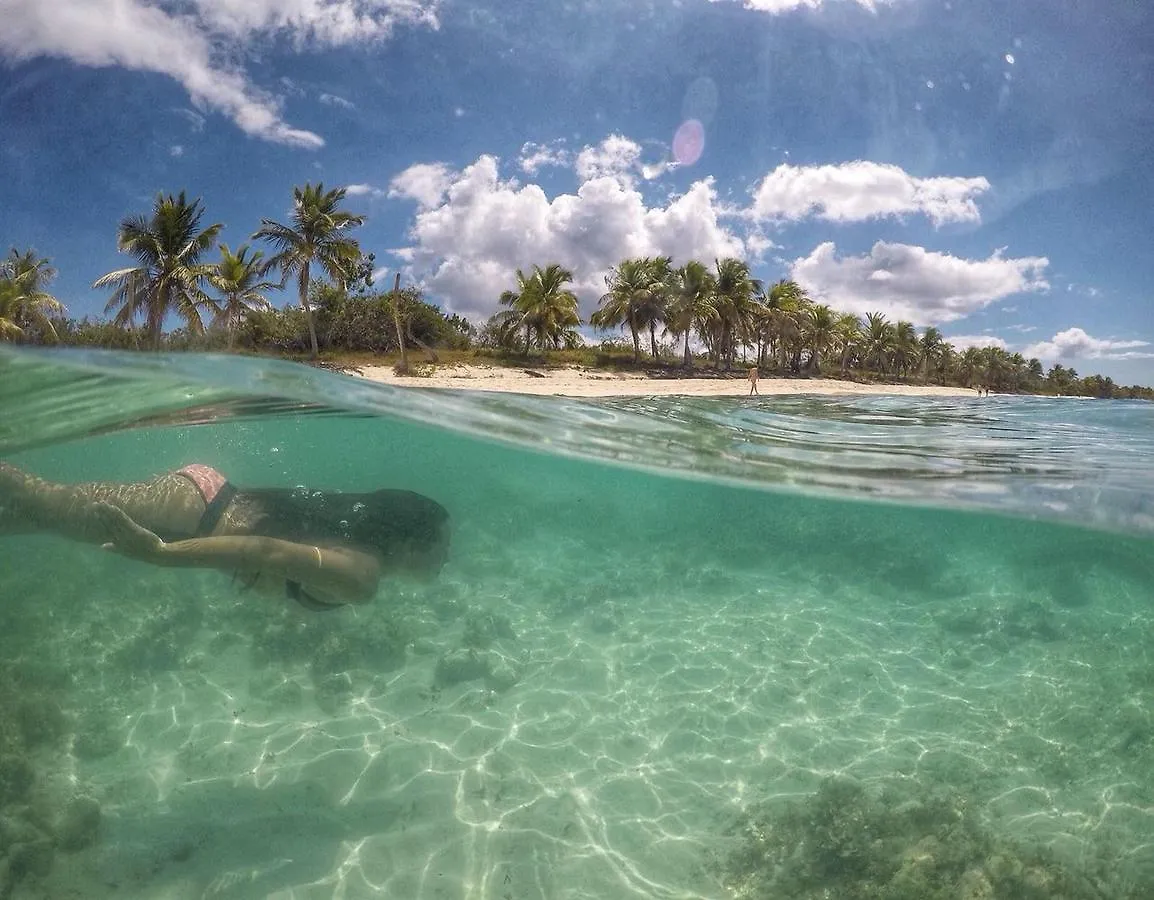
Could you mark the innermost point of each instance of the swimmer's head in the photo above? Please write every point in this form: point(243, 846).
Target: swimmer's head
point(407, 531)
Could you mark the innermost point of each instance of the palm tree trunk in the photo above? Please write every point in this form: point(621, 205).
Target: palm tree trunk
point(636, 343)
point(233, 320)
point(395, 304)
point(156, 322)
point(688, 359)
point(304, 286)
point(653, 340)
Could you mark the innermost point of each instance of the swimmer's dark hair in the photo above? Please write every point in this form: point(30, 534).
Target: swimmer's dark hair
point(387, 522)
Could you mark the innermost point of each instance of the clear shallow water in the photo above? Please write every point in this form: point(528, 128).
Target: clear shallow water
point(1068, 459)
point(664, 654)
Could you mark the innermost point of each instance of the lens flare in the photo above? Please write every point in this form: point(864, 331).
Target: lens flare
point(689, 142)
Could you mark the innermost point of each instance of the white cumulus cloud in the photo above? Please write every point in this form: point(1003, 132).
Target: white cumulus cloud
point(757, 245)
point(962, 342)
point(364, 190)
point(425, 182)
point(777, 7)
point(860, 190)
point(1074, 343)
point(336, 100)
point(615, 157)
point(623, 159)
point(534, 156)
point(197, 43)
point(908, 282)
point(325, 22)
point(474, 229)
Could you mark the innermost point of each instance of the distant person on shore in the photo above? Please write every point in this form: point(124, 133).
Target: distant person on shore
point(322, 549)
point(753, 373)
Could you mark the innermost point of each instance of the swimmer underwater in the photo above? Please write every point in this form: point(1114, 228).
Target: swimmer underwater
point(323, 549)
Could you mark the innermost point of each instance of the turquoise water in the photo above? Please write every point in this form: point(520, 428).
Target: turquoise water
point(752, 681)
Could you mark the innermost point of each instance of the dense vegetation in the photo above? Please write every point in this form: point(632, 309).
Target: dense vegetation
point(686, 315)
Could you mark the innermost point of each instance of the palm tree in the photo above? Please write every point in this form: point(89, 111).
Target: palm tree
point(168, 246)
point(517, 301)
point(905, 351)
point(543, 304)
point(693, 303)
point(1062, 379)
point(847, 335)
point(24, 299)
point(998, 368)
point(971, 366)
point(239, 278)
point(501, 330)
point(316, 237)
point(820, 332)
point(555, 307)
point(877, 343)
point(657, 308)
point(735, 292)
point(945, 362)
point(930, 350)
point(636, 291)
point(786, 304)
point(1035, 373)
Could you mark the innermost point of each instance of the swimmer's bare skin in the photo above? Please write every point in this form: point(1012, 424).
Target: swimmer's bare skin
point(330, 572)
point(168, 504)
point(125, 518)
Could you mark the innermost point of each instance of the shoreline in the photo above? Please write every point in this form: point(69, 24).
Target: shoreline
point(575, 381)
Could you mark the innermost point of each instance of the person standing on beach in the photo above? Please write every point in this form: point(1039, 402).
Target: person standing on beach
point(753, 373)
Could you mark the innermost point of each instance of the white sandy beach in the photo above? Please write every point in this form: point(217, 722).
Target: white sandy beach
point(575, 381)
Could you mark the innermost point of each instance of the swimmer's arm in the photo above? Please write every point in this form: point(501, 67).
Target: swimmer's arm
point(348, 574)
point(345, 573)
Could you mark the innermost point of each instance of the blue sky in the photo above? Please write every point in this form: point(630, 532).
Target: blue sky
point(978, 166)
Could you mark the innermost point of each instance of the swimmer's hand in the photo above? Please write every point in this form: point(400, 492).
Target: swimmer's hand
point(126, 537)
point(12, 480)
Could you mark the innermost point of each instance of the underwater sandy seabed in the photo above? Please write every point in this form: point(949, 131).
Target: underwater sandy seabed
point(620, 686)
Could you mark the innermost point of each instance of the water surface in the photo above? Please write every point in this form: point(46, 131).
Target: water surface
point(671, 661)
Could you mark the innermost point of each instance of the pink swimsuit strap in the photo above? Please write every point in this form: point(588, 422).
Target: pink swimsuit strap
point(207, 480)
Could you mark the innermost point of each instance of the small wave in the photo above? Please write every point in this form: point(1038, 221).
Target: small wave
point(1090, 463)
